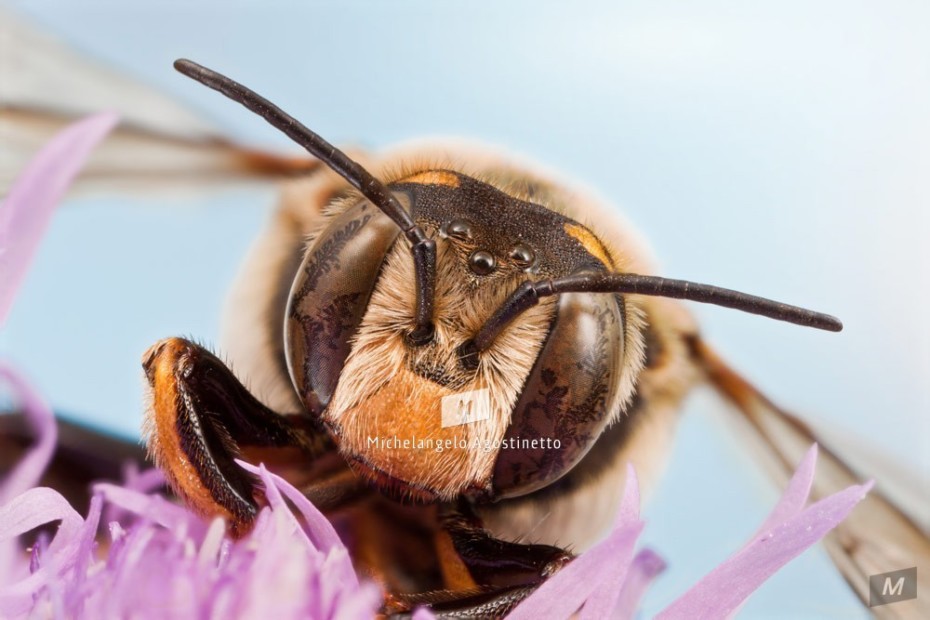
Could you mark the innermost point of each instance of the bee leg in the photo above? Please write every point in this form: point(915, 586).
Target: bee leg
point(498, 563)
point(199, 421)
point(499, 574)
point(482, 604)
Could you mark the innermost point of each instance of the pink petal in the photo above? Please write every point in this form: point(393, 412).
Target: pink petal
point(796, 493)
point(628, 512)
point(647, 565)
point(40, 417)
point(725, 588)
point(28, 511)
point(87, 544)
point(146, 481)
point(277, 504)
point(152, 507)
point(18, 599)
point(37, 507)
point(565, 592)
point(321, 536)
point(321, 531)
point(28, 207)
point(595, 577)
point(603, 600)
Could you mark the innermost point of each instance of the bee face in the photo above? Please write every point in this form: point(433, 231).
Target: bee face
point(551, 375)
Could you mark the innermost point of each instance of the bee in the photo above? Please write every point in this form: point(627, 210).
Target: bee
point(457, 351)
point(394, 301)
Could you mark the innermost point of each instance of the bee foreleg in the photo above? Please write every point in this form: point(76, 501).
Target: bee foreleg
point(500, 574)
point(495, 562)
point(482, 604)
point(200, 419)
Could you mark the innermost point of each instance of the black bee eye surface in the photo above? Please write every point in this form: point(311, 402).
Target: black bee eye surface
point(522, 255)
point(459, 229)
point(481, 262)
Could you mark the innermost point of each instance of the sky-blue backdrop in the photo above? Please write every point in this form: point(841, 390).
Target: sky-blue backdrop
point(774, 147)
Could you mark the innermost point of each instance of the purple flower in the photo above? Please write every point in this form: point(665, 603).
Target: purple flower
point(158, 560)
point(161, 561)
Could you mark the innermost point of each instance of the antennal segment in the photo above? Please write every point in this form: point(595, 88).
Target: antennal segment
point(529, 293)
point(422, 247)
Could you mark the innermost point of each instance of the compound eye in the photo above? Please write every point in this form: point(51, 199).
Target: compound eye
point(481, 262)
point(522, 255)
point(459, 229)
point(565, 427)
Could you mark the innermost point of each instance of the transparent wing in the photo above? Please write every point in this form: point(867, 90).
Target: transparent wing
point(905, 486)
point(45, 84)
point(879, 536)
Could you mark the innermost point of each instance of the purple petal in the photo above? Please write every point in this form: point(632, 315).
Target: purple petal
point(145, 481)
point(603, 600)
point(36, 507)
point(212, 547)
point(725, 588)
point(40, 417)
point(565, 592)
point(629, 503)
point(28, 207)
point(796, 493)
point(87, 544)
point(152, 507)
point(647, 565)
point(273, 495)
point(321, 531)
point(594, 578)
point(18, 599)
point(25, 512)
point(279, 507)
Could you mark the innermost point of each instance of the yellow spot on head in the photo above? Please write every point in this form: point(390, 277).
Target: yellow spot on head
point(589, 242)
point(433, 177)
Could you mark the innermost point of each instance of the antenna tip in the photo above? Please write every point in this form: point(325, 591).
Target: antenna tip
point(187, 67)
point(830, 323)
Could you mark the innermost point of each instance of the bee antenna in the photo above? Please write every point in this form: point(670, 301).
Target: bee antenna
point(422, 247)
point(529, 293)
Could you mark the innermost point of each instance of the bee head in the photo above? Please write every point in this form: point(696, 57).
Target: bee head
point(415, 416)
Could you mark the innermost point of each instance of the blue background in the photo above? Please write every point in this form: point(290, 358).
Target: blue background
point(775, 147)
